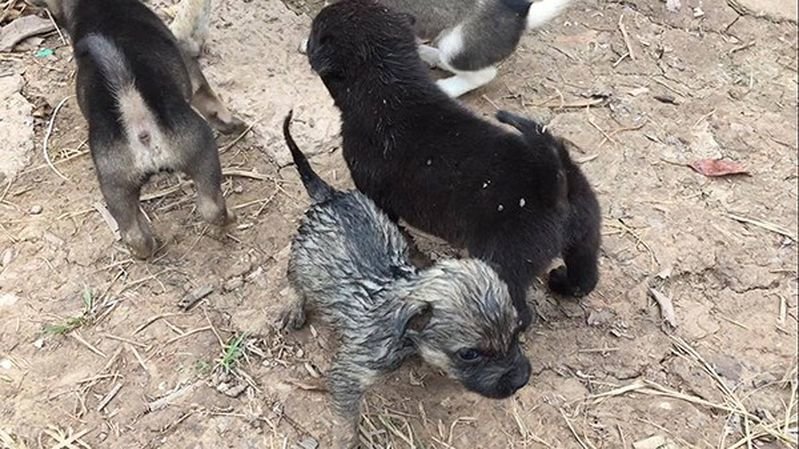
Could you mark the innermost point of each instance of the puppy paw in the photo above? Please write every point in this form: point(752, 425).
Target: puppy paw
point(230, 126)
point(292, 318)
point(560, 284)
point(430, 55)
point(303, 47)
point(230, 218)
point(142, 247)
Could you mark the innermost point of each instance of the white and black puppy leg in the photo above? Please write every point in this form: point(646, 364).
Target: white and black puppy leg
point(452, 53)
point(430, 55)
point(464, 82)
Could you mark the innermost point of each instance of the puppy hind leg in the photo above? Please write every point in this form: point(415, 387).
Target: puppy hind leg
point(430, 55)
point(580, 274)
point(203, 167)
point(123, 204)
point(463, 82)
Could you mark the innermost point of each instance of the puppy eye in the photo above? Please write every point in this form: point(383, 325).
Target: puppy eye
point(469, 354)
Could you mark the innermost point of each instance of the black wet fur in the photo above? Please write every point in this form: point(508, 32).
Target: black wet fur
point(423, 157)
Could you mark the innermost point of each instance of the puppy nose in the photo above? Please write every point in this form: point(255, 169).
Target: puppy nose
point(520, 375)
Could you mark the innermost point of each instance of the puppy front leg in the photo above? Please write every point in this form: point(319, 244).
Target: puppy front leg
point(348, 380)
point(293, 316)
point(203, 167)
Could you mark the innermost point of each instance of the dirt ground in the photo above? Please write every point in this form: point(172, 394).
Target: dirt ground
point(96, 351)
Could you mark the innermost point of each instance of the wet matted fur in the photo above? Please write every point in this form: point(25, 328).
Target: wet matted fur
point(349, 265)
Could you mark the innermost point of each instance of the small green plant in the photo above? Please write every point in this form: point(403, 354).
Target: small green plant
point(66, 327)
point(74, 322)
point(202, 367)
point(232, 353)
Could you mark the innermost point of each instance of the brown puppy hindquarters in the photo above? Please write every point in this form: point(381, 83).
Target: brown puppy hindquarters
point(133, 88)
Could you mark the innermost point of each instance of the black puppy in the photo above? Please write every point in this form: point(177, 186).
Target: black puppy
point(134, 89)
point(515, 200)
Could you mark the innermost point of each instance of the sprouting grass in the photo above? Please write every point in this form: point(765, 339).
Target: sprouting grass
point(74, 322)
point(202, 367)
point(66, 327)
point(232, 353)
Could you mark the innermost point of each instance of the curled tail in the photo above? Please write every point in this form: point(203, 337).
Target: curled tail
point(112, 63)
point(542, 11)
point(316, 187)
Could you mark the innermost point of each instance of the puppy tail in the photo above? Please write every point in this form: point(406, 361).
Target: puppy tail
point(543, 11)
point(316, 187)
point(112, 63)
point(532, 133)
point(137, 119)
point(525, 126)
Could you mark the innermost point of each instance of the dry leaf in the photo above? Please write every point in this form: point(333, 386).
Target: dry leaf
point(718, 167)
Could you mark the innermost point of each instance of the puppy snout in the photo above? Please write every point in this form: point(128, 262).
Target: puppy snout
point(518, 376)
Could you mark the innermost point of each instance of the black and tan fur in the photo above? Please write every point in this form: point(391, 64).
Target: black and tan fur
point(135, 88)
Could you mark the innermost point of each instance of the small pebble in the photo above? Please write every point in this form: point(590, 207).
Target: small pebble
point(36, 210)
point(238, 189)
point(308, 443)
point(8, 256)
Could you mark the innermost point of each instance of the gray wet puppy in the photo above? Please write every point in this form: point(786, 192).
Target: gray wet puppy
point(136, 89)
point(469, 38)
point(350, 266)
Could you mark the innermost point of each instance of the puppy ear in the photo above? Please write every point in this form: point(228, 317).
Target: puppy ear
point(410, 18)
point(413, 317)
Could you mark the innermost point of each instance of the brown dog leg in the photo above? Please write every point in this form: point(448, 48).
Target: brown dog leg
point(208, 104)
